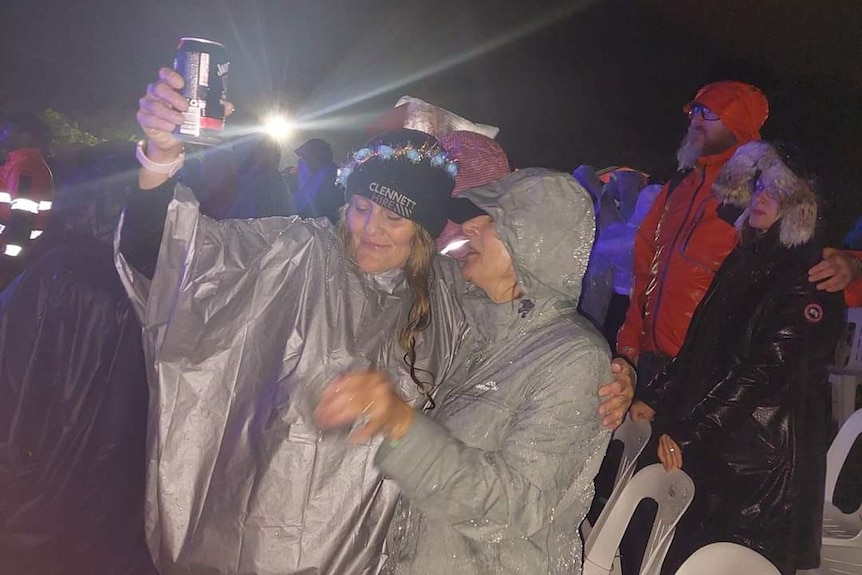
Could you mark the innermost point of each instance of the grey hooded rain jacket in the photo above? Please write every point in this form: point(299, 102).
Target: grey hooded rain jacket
point(499, 477)
point(245, 322)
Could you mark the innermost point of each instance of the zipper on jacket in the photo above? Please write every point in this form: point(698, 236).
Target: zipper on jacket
point(697, 219)
point(672, 248)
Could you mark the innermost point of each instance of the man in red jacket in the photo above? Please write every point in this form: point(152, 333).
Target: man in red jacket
point(687, 234)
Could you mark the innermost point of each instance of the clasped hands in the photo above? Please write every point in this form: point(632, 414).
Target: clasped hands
point(369, 398)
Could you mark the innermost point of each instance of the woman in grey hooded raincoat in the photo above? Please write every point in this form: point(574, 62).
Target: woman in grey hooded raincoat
point(500, 476)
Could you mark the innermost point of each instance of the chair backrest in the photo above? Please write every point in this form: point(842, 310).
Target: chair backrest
point(672, 491)
point(634, 436)
point(726, 559)
point(839, 450)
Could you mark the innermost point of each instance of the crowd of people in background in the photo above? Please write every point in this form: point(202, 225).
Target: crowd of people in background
point(211, 365)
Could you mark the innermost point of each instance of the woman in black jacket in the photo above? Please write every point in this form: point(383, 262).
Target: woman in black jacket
point(743, 407)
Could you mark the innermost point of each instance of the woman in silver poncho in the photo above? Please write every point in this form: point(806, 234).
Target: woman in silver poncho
point(498, 478)
point(245, 323)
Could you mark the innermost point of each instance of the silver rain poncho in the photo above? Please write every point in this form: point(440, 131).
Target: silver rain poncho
point(245, 322)
point(499, 477)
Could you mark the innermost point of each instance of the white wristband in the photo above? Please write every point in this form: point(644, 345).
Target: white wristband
point(169, 168)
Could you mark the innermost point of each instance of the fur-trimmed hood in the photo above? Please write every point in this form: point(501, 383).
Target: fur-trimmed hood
point(797, 203)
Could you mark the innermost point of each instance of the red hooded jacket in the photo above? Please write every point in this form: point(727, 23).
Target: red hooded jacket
point(683, 240)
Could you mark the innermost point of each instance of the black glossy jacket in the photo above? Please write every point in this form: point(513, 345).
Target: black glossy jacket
point(73, 417)
point(746, 400)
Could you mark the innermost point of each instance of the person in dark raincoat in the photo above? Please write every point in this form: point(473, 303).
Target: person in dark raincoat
point(73, 393)
point(743, 407)
point(317, 194)
point(262, 190)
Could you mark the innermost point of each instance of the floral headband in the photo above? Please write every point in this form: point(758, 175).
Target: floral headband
point(436, 156)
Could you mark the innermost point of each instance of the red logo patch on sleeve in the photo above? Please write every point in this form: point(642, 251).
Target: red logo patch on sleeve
point(813, 313)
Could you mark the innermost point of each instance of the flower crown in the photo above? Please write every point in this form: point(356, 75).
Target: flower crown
point(435, 155)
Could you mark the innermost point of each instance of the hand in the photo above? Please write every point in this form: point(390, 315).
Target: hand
point(159, 114)
point(837, 270)
point(640, 411)
point(669, 453)
point(617, 395)
point(368, 396)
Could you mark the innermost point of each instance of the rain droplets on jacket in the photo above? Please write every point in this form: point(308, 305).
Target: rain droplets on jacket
point(498, 478)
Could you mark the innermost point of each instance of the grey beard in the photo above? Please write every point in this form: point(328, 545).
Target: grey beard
point(689, 151)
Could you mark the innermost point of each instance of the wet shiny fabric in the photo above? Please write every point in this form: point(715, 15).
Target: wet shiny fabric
point(245, 323)
point(678, 248)
point(73, 403)
point(746, 399)
point(498, 478)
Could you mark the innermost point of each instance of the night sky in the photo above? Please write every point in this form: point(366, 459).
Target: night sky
point(568, 82)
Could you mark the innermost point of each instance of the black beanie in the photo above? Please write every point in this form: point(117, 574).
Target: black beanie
point(406, 172)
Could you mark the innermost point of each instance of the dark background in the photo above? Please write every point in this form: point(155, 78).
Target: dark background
point(568, 82)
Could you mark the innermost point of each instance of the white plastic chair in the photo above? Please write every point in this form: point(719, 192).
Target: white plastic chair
point(727, 559)
point(841, 552)
point(672, 491)
point(634, 435)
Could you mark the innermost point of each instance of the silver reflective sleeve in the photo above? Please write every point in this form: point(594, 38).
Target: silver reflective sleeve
point(245, 322)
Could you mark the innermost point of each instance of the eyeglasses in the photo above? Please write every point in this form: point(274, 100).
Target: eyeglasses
point(703, 111)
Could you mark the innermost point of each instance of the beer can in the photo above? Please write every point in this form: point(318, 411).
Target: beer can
point(204, 66)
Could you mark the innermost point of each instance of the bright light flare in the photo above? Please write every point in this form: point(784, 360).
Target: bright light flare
point(279, 126)
point(419, 71)
point(452, 246)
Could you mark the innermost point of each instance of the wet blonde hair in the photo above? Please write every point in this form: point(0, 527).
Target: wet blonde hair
point(418, 272)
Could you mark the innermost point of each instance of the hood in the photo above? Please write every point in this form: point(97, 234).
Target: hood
point(546, 221)
point(624, 186)
point(602, 196)
point(743, 108)
point(646, 198)
point(614, 188)
point(797, 202)
point(587, 178)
